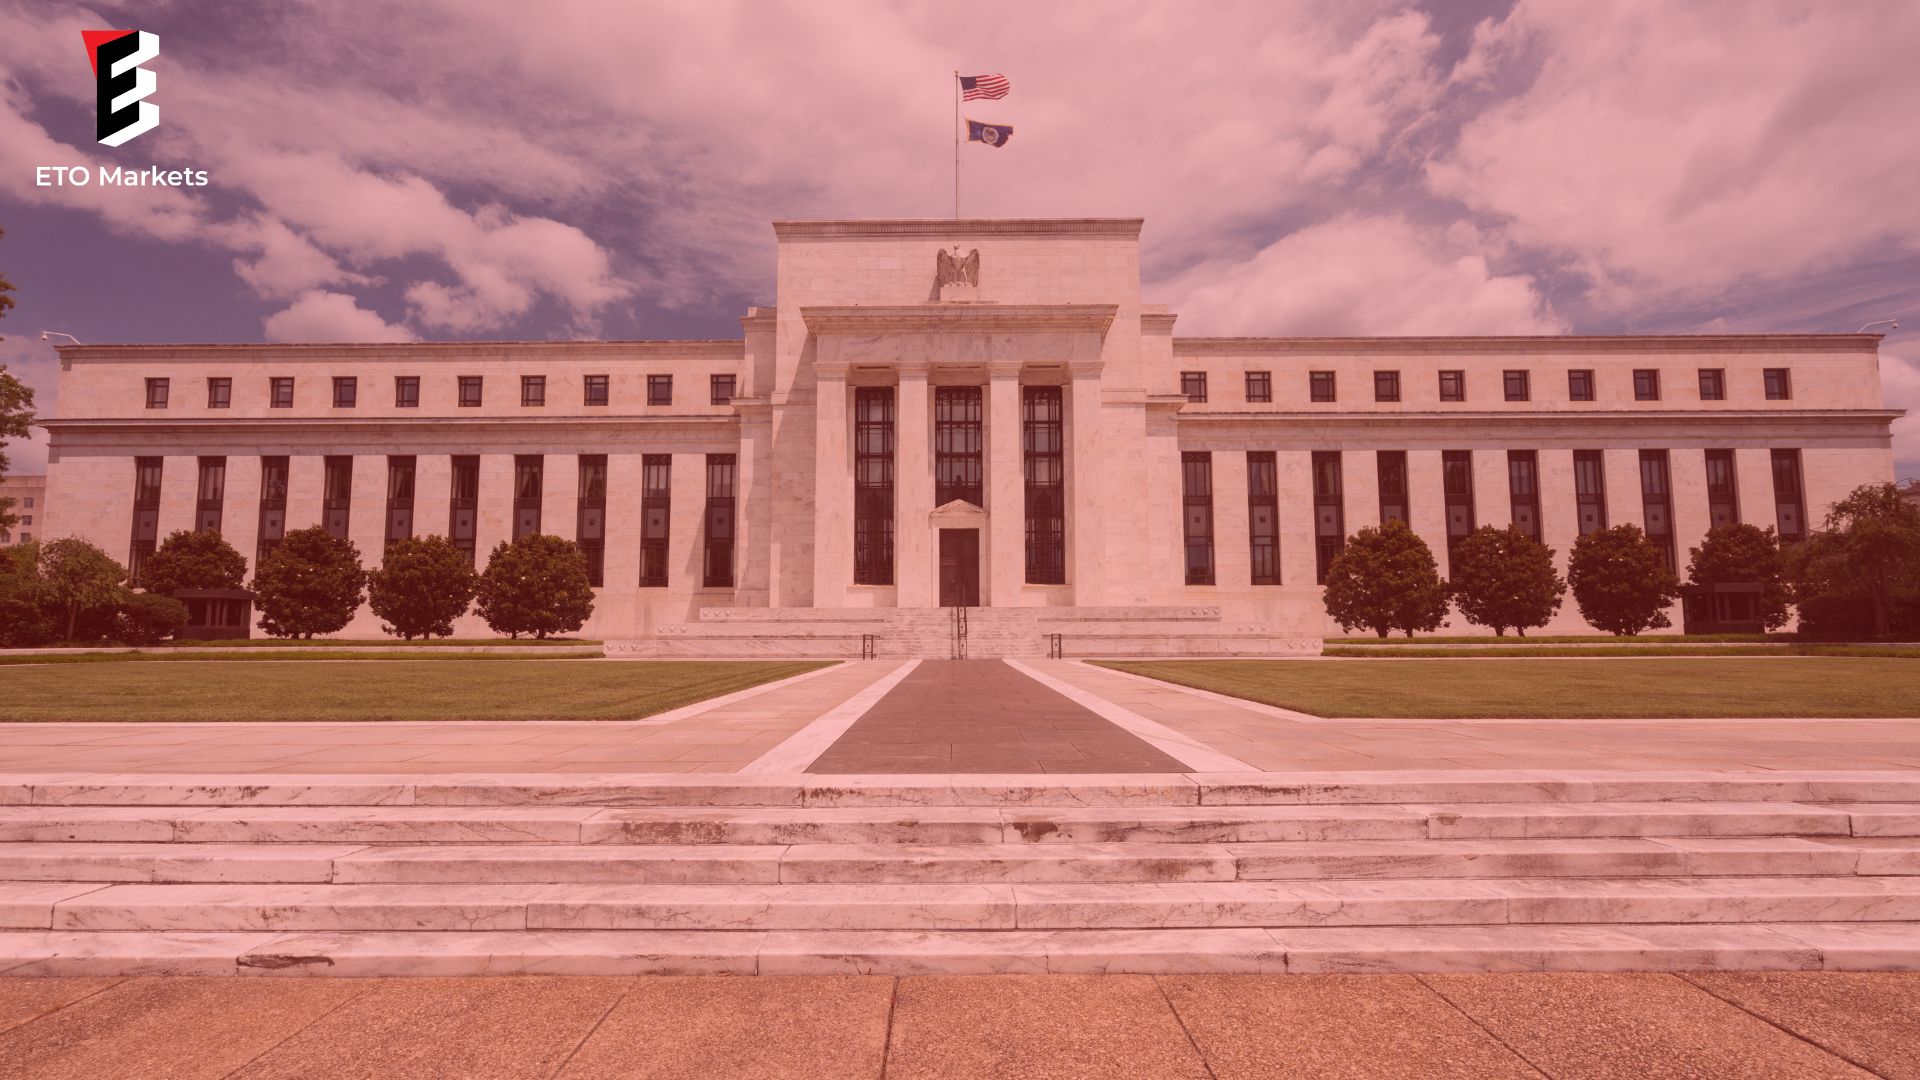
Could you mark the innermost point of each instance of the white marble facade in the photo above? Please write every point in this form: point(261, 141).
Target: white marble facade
point(1057, 304)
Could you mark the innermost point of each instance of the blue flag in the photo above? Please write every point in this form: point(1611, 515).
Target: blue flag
point(991, 134)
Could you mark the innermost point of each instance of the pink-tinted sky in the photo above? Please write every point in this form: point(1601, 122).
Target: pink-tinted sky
point(447, 169)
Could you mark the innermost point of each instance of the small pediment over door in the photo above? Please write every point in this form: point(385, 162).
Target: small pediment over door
point(957, 513)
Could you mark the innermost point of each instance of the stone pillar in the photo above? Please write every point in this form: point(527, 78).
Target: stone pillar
point(915, 575)
point(1360, 489)
point(1232, 557)
point(754, 484)
point(240, 513)
point(1687, 490)
point(1427, 502)
point(493, 523)
point(1492, 492)
point(687, 525)
point(1622, 470)
point(1006, 548)
point(367, 512)
point(179, 494)
point(832, 489)
point(560, 496)
point(1293, 480)
point(623, 523)
point(1559, 506)
point(432, 495)
point(1088, 568)
point(1753, 479)
point(306, 486)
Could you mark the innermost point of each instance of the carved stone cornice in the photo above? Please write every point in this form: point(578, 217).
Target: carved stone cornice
point(436, 351)
point(1520, 344)
point(865, 320)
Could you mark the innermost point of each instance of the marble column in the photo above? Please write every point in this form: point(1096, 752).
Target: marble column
point(493, 523)
point(1232, 554)
point(1559, 505)
point(367, 510)
point(832, 489)
point(1006, 550)
point(754, 484)
point(1492, 491)
point(1427, 502)
point(1753, 479)
point(179, 494)
point(1294, 479)
point(1687, 490)
point(306, 486)
point(432, 495)
point(687, 524)
point(1622, 470)
point(560, 496)
point(915, 575)
point(240, 512)
point(1087, 560)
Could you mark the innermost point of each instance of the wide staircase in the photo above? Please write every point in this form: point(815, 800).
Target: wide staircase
point(730, 874)
point(975, 633)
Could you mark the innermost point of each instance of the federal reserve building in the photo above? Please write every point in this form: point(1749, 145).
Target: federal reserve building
point(939, 422)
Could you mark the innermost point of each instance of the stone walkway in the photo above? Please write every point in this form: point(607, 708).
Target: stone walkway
point(983, 716)
point(1473, 1027)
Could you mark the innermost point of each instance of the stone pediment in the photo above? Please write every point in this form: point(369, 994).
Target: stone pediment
point(956, 511)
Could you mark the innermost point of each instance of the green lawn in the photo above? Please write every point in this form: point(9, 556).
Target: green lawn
point(281, 656)
point(1485, 688)
point(392, 690)
point(1908, 651)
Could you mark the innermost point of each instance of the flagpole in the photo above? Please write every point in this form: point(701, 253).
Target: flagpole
point(956, 144)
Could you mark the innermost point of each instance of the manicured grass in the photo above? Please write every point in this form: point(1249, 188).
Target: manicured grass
point(1909, 652)
point(402, 690)
point(275, 656)
point(1558, 639)
point(329, 643)
point(1553, 688)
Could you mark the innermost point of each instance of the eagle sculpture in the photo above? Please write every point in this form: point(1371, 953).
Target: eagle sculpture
point(953, 269)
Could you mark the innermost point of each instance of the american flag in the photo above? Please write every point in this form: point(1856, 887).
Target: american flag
point(975, 87)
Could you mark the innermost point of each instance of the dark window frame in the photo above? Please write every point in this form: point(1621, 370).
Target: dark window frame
point(219, 392)
point(403, 474)
point(1386, 386)
point(1259, 387)
point(336, 495)
point(1646, 384)
point(1043, 466)
point(1713, 384)
point(346, 391)
point(529, 492)
point(659, 390)
point(1580, 384)
point(406, 391)
point(1589, 491)
point(463, 504)
point(874, 431)
point(717, 565)
point(158, 391)
point(1263, 517)
point(1456, 485)
point(1329, 512)
point(596, 391)
point(1656, 504)
point(1322, 386)
point(1723, 488)
point(1196, 519)
point(590, 524)
point(280, 392)
point(722, 389)
point(210, 494)
point(148, 475)
point(1390, 472)
point(1193, 384)
point(1777, 383)
point(656, 518)
point(473, 391)
point(1458, 390)
point(1789, 494)
point(1516, 384)
point(275, 471)
point(533, 391)
point(1523, 491)
point(959, 445)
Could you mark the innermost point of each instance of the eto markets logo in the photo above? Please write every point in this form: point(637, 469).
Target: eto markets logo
point(121, 85)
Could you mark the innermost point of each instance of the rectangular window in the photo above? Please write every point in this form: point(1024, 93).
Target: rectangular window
point(1329, 516)
point(533, 391)
point(1713, 384)
point(1386, 386)
point(873, 433)
point(1456, 477)
point(1517, 385)
point(211, 496)
point(590, 529)
point(597, 390)
point(1263, 516)
point(1259, 386)
point(406, 391)
point(400, 473)
point(273, 507)
point(146, 513)
point(1320, 385)
point(1043, 436)
point(336, 505)
point(1590, 490)
point(957, 445)
point(719, 553)
point(1656, 497)
point(1196, 486)
point(1779, 384)
point(280, 392)
point(1789, 495)
point(470, 391)
point(1194, 385)
point(156, 393)
point(1580, 385)
point(1646, 384)
point(463, 507)
point(1723, 494)
point(219, 393)
point(720, 389)
point(346, 391)
point(1392, 468)
point(529, 475)
point(656, 504)
point(1523, 487)
point(659, 389)
point(1453, 386)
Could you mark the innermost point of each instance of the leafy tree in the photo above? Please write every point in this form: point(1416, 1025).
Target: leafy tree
point(1621, 581)
point(422, 585)
point(147, 618)
point(1502, 578)
point(200, 559)
point(16, 410)
point(78, 578)
point(311, 584)
point(1744, 553)
point(26, 612)
point(1385, 579)
point(536, 585)
point(1863, 569)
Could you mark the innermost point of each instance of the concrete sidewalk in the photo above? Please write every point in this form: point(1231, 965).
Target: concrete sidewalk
point(1472, 1027)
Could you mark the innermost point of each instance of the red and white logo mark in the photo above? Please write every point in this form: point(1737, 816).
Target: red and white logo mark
point(121, 85)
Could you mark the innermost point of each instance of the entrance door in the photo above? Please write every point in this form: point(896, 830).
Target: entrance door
point(959, 567)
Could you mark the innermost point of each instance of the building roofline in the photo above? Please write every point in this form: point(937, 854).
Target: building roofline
point(1119, 228)
point(419, 349)
point(1530, 343)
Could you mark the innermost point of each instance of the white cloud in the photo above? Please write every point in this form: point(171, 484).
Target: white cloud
point(319, 315)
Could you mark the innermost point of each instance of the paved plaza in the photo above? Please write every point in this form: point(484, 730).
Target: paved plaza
point(985, 716)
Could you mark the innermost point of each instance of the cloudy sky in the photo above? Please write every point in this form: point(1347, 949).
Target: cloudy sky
point(447, 169)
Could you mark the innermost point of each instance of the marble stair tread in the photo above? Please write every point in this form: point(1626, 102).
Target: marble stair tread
point(560, 864)
point(293, 824)
point(1524, 857)
point(1886, 820)
point(906, 863)
point(795, 825)
point(170, 862)
point(1635, 819)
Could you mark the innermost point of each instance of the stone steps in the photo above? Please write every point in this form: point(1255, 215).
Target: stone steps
point(209, 908)
point(1644, 947)
point(901, 863)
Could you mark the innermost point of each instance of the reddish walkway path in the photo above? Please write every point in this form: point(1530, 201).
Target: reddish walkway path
point(982, 716)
